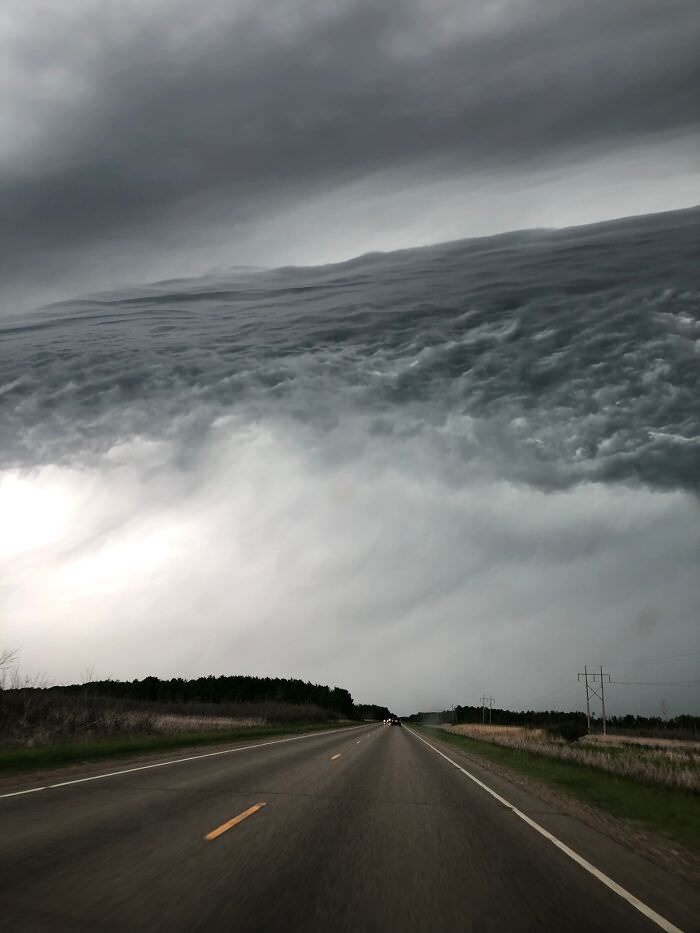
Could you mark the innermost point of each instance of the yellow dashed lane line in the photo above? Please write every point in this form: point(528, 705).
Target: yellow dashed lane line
point(234, 822)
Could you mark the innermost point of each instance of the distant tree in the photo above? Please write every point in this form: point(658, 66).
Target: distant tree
point(372, 711)
point(571, 730)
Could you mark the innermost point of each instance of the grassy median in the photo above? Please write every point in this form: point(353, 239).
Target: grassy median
point(669, 812)
point(18, 759)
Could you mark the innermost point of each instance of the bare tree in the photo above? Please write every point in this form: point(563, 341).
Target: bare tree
point(8, 657)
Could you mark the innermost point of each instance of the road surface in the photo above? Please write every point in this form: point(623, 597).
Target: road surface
point(368, 829)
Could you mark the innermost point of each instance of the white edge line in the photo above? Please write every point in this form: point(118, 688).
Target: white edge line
point(175, 761)
point(591, 869)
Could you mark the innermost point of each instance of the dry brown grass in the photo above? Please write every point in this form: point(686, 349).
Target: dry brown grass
point(175, 722)
point(31, 717)
point(510, 735)
point(646, 741)
point(669, 763)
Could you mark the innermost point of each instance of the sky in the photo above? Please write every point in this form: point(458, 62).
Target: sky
point(248, 471)
point(146, 140)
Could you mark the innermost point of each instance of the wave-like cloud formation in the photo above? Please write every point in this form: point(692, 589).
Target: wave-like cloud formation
point(469, 461)
point(547, 358)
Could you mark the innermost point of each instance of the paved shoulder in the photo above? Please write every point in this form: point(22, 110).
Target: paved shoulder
point(671, 901)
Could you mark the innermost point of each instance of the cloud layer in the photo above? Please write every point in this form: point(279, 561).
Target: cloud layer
point(144, 137)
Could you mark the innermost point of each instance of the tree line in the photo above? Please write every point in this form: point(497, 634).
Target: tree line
point(372, 711)
point(238, 688)
point(507, 717)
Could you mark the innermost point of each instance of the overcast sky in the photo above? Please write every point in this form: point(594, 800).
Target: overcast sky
point(419, 476)
point(148, 139)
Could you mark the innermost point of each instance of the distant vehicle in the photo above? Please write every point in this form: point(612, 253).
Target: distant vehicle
point(395, 721)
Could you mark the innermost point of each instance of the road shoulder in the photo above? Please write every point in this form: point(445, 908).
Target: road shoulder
point(660, 873)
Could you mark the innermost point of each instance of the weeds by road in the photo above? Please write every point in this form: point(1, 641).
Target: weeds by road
point(32, 717)
point(18, 759)
point(671, 764)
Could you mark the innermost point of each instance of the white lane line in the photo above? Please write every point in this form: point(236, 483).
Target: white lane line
point(591, 869)
point(175, 761)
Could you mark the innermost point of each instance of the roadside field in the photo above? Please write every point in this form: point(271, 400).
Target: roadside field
point(671, 764)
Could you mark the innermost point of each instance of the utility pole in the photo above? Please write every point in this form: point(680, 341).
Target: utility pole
point(483, 709)
point(596, 689)
point(588, 699)
point(491, 702)
point(602, 696)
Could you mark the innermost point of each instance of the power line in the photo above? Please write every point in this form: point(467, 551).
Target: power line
point(566, 692)
point(692, 658)
point(658, 683)
point(682, 657)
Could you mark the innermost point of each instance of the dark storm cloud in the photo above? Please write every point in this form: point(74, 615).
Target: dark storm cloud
point(547, 358)
point(129, 126)
point(420, 475)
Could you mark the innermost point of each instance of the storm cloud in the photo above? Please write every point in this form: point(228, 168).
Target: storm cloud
point(163, 138)
point(421, 474)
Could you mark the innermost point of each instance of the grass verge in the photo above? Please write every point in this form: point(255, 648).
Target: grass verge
point(668, 812)
point(14, 760)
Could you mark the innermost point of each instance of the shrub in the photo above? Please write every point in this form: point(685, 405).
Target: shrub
point(571, 730)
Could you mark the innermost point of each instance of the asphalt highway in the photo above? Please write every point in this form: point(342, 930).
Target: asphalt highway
point(368, 829)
